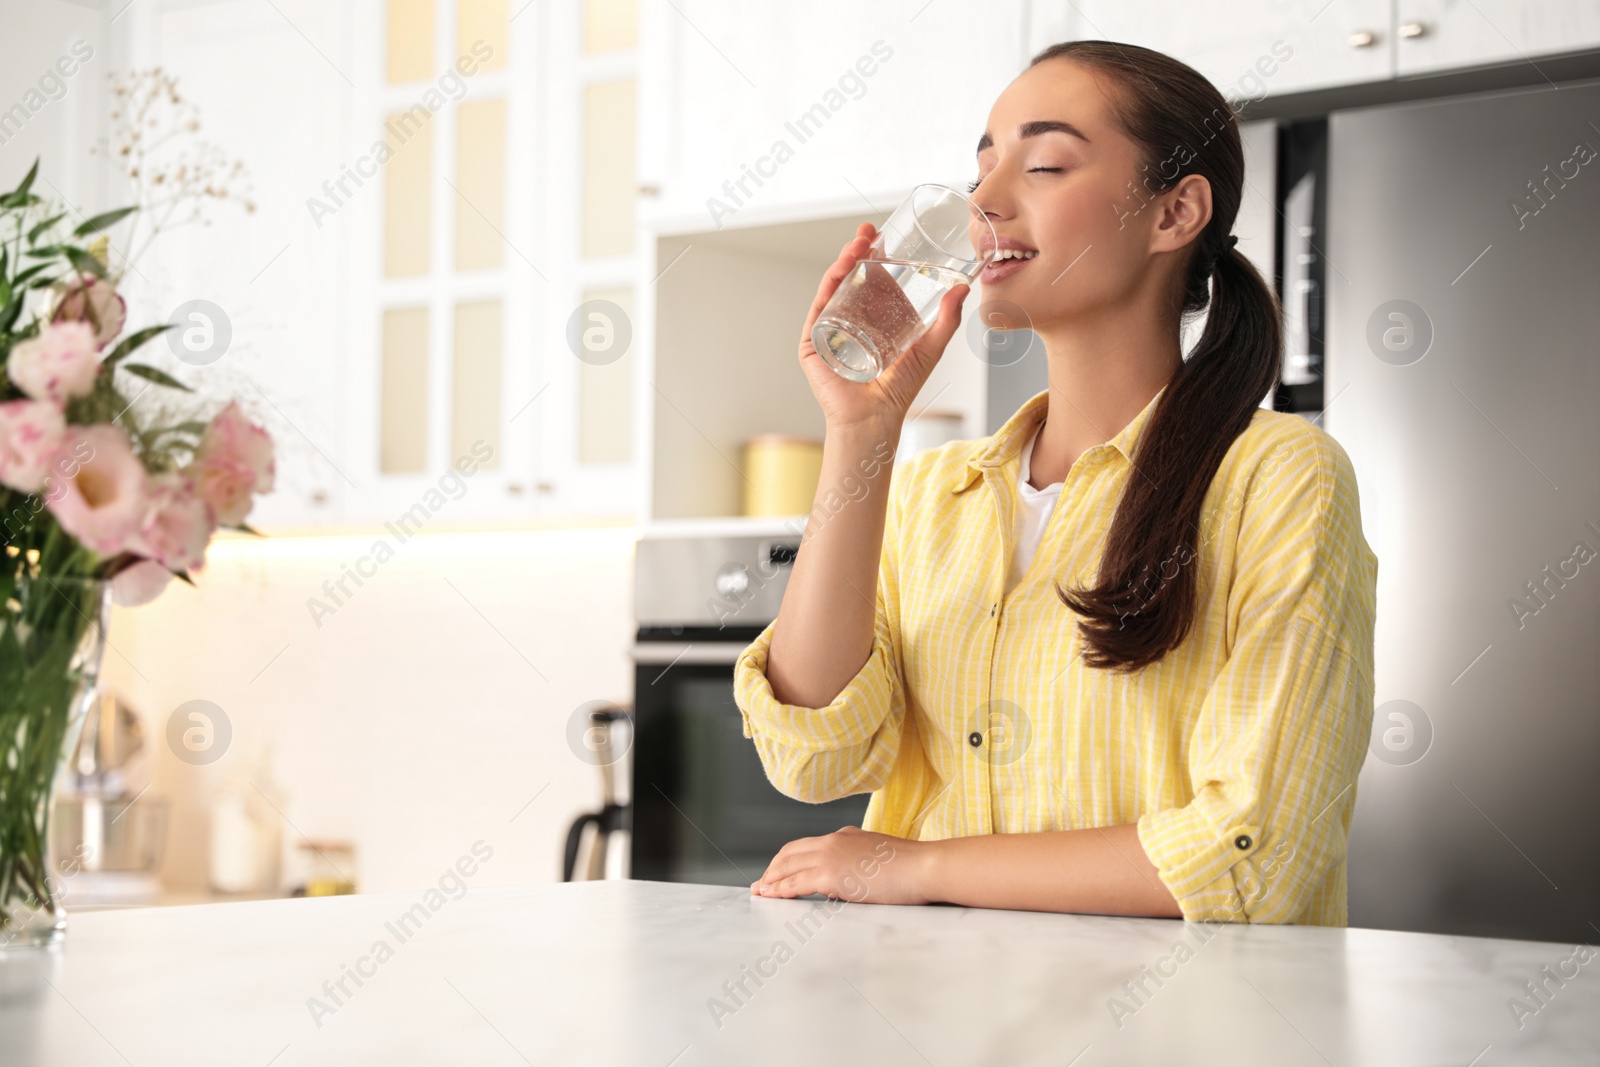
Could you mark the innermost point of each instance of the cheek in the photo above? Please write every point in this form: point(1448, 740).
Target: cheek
point(1093, 257)
point(1094, 210)
point(1083, 225)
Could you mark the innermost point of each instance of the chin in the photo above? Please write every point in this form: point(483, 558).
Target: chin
point(1003, 307)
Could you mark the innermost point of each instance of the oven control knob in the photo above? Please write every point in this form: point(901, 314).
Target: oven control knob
point(732, 580)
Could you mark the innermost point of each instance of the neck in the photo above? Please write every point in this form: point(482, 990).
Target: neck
point(1102, 374)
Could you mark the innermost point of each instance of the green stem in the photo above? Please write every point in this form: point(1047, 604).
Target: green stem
point(53, 608)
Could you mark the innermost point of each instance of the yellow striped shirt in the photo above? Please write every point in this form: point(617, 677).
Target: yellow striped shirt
point(1236, 754)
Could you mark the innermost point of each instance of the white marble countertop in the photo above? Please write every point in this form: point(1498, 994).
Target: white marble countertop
point(634, 972)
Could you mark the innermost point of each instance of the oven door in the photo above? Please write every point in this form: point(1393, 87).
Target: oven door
point(703, 809)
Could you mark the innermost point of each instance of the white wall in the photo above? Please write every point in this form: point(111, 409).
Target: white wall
point(61, 115)
point(408, 722)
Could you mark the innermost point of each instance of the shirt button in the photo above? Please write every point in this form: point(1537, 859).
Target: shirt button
point(1242, 842)
point(974, 739)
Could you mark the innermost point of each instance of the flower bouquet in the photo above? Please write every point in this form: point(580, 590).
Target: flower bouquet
point(98, 503)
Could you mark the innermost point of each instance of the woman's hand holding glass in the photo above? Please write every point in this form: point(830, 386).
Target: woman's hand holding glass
point(883, 402)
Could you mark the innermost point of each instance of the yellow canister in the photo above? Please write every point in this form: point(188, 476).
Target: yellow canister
point(780, 474)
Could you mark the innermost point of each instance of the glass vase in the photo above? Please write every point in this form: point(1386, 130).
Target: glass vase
point(52, 640)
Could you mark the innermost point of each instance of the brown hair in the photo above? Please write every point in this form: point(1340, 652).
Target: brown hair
point(1144, 599)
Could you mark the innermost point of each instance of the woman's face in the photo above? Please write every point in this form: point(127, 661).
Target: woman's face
point(1056, 174)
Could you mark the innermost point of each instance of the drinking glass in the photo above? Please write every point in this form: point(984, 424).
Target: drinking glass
point(935, 240)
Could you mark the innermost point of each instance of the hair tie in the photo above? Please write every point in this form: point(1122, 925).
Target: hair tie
point(1232, 240)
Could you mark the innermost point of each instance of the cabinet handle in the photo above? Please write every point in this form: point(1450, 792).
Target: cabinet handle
point(1412, 29)
point(1363, 39)
point(318, 497)
point(545, 487)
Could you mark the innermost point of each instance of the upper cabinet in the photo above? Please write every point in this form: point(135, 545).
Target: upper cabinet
point(499, 279)
point(759, 112)
point(430, 307)
point(753, 114)
point(1247, 48)
point(1254, 48)
point(1437, 35)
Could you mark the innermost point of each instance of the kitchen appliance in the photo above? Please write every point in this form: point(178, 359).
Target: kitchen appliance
point(1463, 379)
point(703, 809)
point(1301, 228)
point(589, 838)
point(108, 832)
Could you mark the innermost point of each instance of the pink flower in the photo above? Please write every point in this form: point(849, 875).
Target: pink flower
point(233, 461)
point(96, 303)
point(30, 437)
point(139, 583)
point(100, 494)
point(61, 362)
point(176, 526)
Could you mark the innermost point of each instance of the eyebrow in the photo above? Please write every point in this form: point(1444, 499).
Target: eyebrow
point(1034, 129)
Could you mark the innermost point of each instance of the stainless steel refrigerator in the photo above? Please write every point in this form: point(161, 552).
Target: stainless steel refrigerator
point(1462, 374)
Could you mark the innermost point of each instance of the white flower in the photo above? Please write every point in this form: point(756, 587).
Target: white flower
point(60, 363)
point(30, 436)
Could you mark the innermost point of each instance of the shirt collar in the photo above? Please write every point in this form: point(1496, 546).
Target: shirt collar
point(1006, 442)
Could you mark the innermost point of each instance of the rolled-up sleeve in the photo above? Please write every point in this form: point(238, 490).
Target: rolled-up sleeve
point(849, 746)
point(1274, 753)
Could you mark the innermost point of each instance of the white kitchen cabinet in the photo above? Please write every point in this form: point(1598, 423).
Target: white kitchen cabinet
point(1247, 48)
point(1250, 48)
point(275, 283)
point(427, 177)
point(775, 112)
point(1438, 35)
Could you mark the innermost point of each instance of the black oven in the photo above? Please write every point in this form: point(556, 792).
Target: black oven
point(703, 809)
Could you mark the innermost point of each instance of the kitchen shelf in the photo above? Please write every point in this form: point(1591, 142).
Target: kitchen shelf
point(729, 305)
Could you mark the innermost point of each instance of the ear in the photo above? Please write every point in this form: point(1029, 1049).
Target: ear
point(1184, 212)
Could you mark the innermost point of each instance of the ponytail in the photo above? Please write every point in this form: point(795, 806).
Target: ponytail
point(1143, 601)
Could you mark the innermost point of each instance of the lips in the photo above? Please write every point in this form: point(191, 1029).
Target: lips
point(1001, 269)
point(1005, 242)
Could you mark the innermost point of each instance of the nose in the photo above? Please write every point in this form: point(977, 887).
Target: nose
point(985, 197)
point(981, 226)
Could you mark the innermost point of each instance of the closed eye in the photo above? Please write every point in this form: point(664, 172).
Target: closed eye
point(973, 185)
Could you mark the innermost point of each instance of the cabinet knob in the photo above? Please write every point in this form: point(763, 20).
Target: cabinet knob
point(546, 487)
point(319, 497)
point(1412, 29)
point(514, 488)
point(649, 190)
point(1363, 39)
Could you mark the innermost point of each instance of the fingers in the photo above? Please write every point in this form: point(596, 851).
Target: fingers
point(841, 268)
point(784, 863)
point(922, 356)
point(796, 859)
point(949, 320)
point(796, 885)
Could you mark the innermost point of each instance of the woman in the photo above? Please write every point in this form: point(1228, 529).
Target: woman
point(1120, 655)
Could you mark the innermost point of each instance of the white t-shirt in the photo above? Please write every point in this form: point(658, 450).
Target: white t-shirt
point(1031, 517)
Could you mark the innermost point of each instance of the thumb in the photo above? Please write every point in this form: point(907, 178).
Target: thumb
point(930, 346)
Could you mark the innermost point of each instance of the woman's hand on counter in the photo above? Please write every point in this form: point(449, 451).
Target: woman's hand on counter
point(850, 864)
point(1100, 870)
